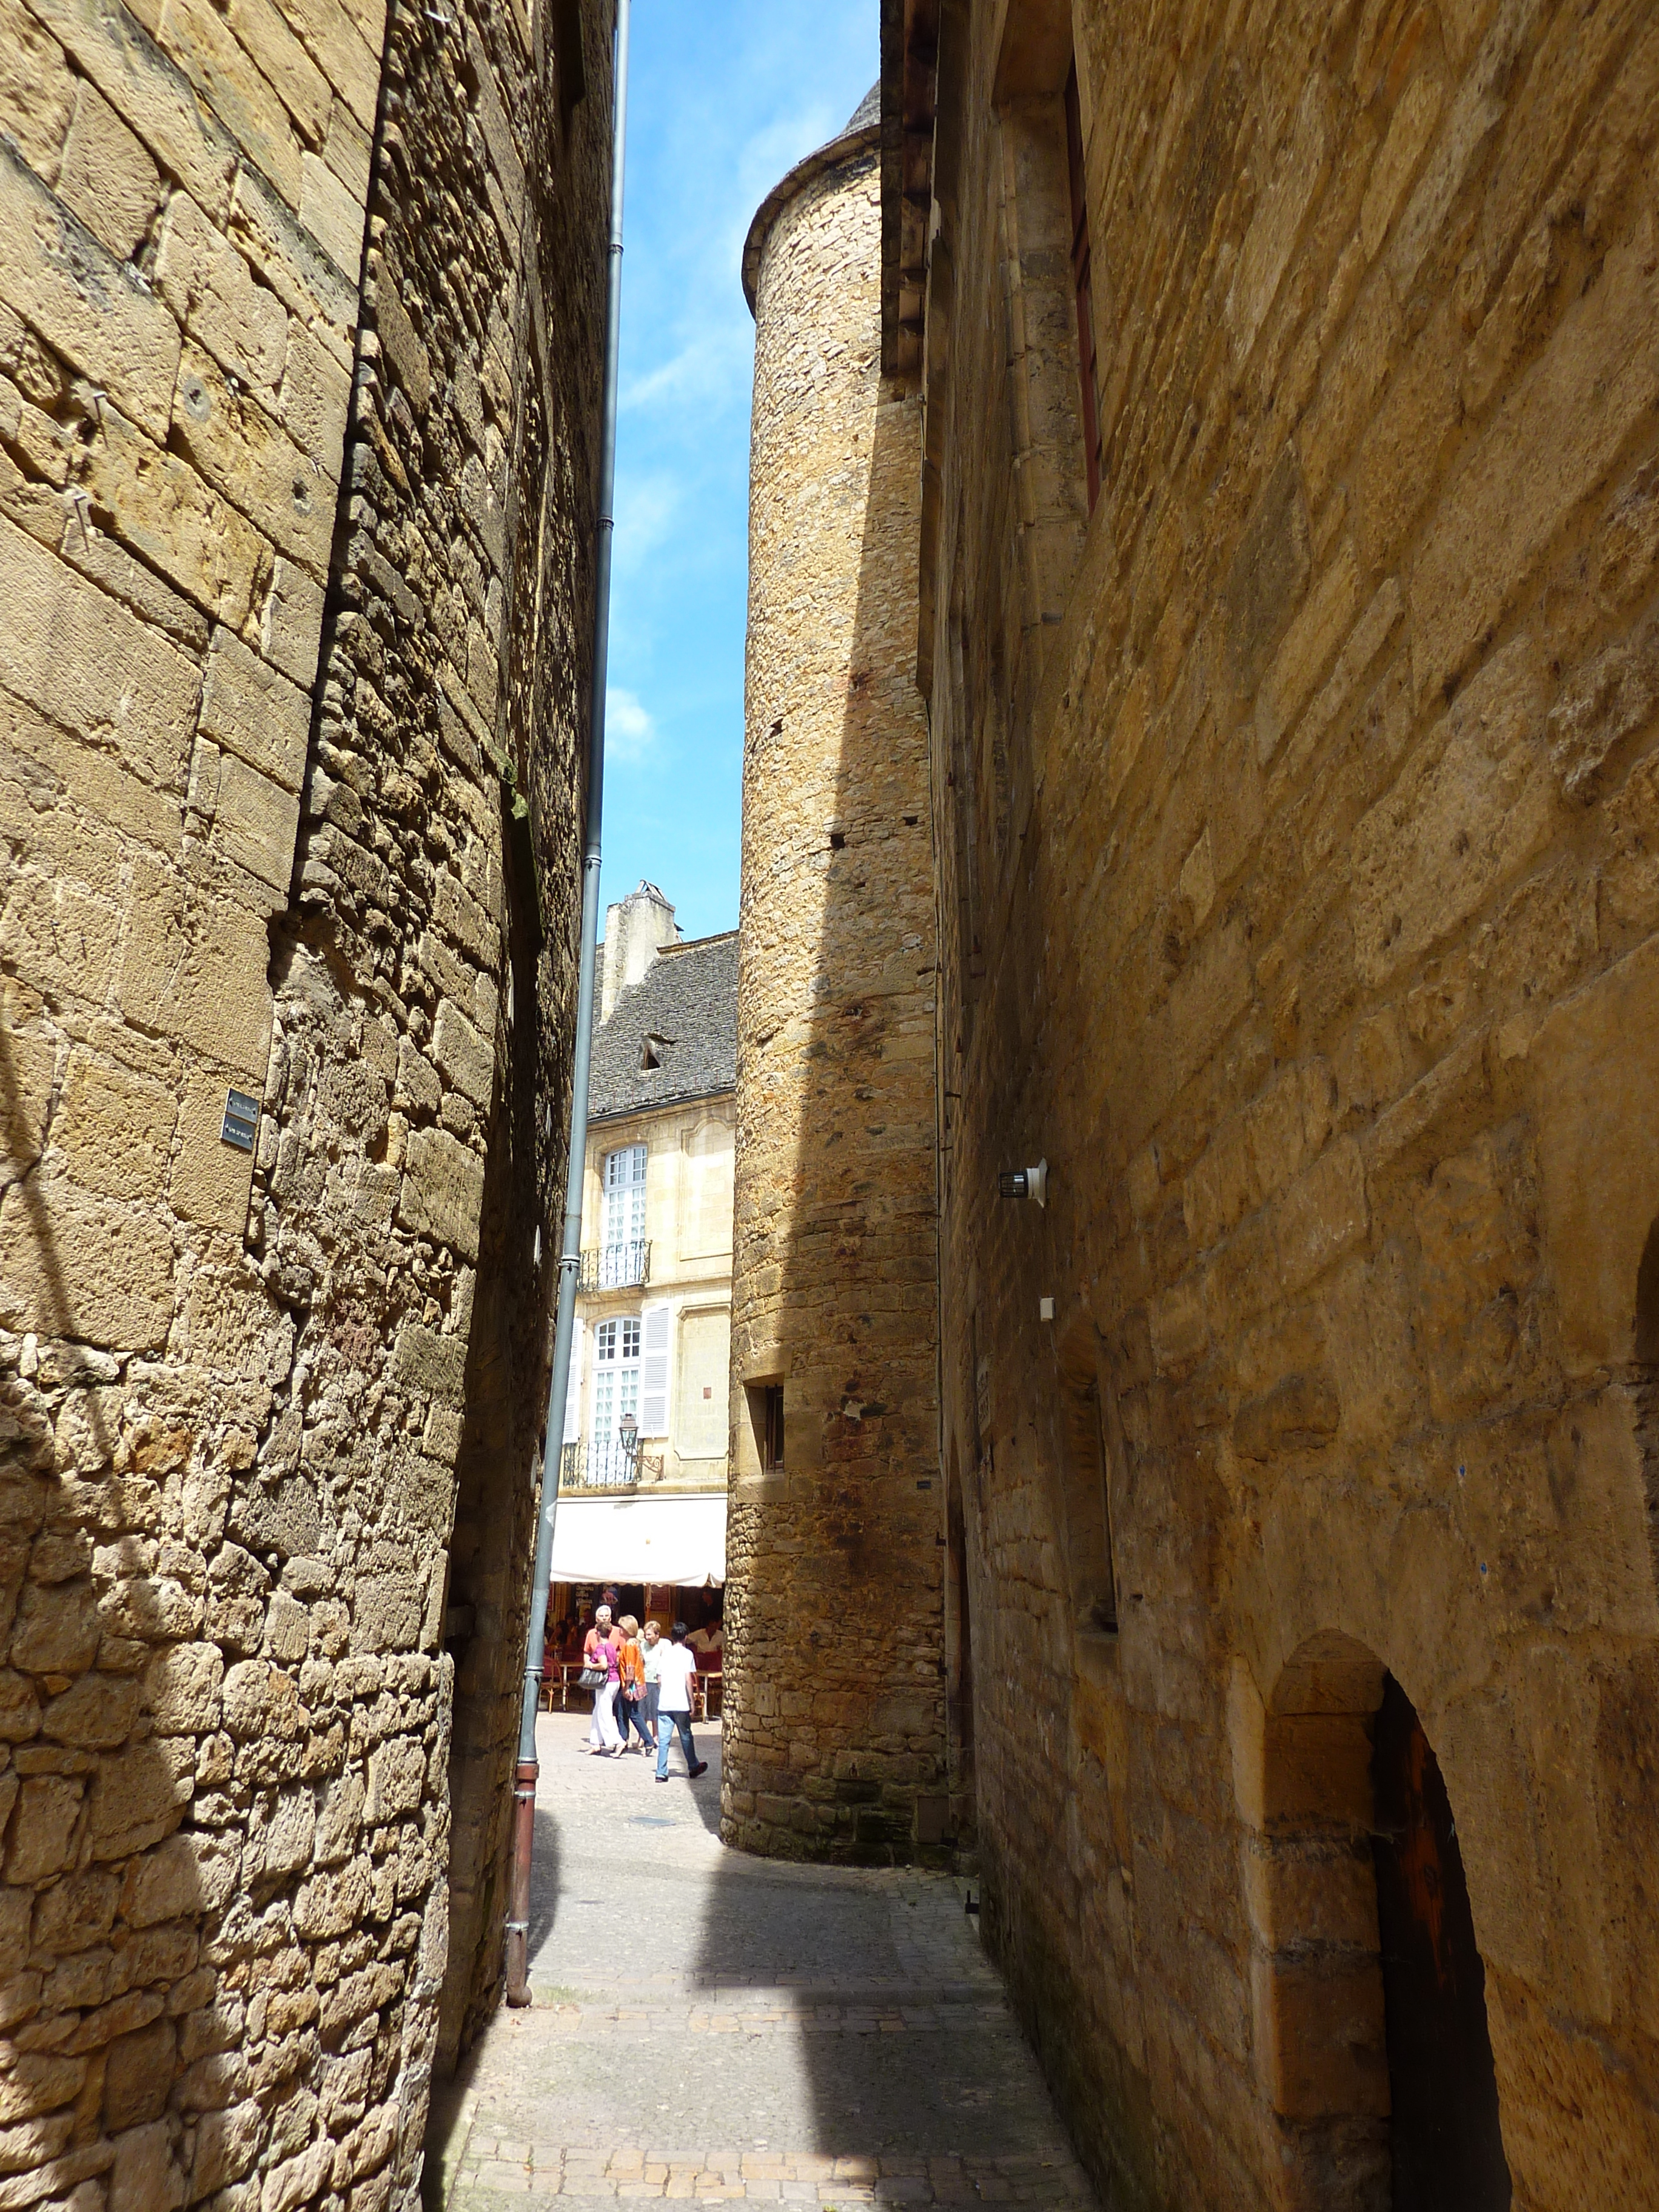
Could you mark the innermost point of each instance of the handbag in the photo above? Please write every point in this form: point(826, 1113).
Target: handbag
point(592, 1677)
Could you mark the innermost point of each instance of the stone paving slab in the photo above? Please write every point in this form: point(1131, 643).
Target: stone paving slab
point(713, 2029)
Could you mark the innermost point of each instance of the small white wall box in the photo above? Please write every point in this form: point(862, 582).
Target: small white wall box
point(1025, 1183)
point(1045, 1309)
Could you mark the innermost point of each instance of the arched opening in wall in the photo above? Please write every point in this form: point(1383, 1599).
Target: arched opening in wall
point(1645, 1382)
point(958, 1653)
point(1370, 1993)
point(1085, 1470)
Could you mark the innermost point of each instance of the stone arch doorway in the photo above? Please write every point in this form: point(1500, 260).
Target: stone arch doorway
point(1368, 1990)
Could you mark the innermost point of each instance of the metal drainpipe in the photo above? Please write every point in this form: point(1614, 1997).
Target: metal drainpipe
point(524, 1792)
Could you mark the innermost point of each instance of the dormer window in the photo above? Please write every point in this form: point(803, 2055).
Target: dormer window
point(652, 1051)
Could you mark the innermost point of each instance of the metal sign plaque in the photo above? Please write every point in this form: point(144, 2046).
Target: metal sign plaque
point(242, 1121)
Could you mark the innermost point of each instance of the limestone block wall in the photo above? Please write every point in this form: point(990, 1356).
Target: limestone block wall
point(834, 1713)
point(299, 325)
point(1297, 813)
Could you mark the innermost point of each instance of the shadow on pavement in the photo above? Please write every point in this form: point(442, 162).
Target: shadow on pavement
point(544, 1879)
point(450, 2113)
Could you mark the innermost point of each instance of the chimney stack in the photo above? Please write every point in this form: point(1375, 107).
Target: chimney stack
point(635, 930)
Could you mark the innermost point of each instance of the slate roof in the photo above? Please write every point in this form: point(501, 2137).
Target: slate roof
point(862, 125)
point(867, 112)
point(685, 1005)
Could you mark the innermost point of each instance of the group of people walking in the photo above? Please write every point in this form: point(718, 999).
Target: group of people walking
point(641, 1685)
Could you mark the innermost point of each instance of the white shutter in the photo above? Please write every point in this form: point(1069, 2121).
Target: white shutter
point(573, 1396)
point(654, 1371)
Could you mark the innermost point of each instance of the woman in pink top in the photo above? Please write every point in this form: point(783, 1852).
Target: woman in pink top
point(600, 1652)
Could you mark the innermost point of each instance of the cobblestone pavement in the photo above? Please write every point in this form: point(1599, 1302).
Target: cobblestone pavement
point(710, 2027)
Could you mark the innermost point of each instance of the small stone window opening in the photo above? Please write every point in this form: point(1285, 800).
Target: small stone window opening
point(1645, 1386)
point(837, 840)
point(766, 1417)
point(1086, 1487)
point(1103, 1609)
point(1088, 365)
point(652, 1050)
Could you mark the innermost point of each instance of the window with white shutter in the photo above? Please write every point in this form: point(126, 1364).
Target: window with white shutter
point(654, 1372)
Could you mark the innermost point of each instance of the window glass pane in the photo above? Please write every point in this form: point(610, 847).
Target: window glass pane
point(606, 1335)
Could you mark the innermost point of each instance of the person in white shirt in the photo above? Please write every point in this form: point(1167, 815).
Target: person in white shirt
point(654, 1647)
point(675, 1668)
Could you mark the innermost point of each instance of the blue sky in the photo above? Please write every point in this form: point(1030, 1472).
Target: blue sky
point(724, 96)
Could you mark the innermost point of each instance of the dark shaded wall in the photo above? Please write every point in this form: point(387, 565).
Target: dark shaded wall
point(1295, 822)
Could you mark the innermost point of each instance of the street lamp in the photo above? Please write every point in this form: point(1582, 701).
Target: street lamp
point(627, 1436)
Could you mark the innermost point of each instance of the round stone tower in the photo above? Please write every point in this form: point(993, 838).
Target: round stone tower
point(835, 1724)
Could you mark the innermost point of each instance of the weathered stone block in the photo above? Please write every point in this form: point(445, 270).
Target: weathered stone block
point(223, 71)
point(78, 657)
point(255, 822)
point(91, 307)
point(182, 1687)
point(139, 1796)
point(96, 1715)
point(107, 177)
point(43, 1829)
point(37, 92)
point(1469, 813)
point(387, 1613)
point(37, 2083)
point(115, 1129)
point(144, 87)
point(291, 627)
point(227, 2145)
point(242, 450)
point(211, 1179)
point(466, 1059)
point(1542, 454)
point(195, 969)
point(78, 1265)
point(29, 1064)
point(443, 1191)
point(432, 1365)
point(138, 2074)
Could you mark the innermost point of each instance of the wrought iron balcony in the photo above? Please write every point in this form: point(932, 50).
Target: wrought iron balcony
point(615, 1267)
point(598, 1463)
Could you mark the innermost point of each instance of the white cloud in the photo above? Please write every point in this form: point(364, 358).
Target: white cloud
point(648, 506)
point(630, 731)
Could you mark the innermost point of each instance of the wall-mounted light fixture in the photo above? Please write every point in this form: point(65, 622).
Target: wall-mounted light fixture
point(1025, 1183)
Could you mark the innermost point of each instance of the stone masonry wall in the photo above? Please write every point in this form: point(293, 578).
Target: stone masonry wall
point(299, 322)
point(833, 1726)
point(1298, 820)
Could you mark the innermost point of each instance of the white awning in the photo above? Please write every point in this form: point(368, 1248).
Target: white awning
point(680, 1541)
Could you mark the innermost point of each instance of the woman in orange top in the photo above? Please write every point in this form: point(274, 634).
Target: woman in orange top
point(630, 1697)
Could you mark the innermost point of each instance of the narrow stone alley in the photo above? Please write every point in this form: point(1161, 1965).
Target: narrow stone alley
point(713, 2027)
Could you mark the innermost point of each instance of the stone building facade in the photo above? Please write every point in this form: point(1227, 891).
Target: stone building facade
point(657, 1210)
point(834, 1728)
point(301, 315)
point(1288, 615)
